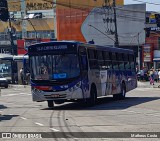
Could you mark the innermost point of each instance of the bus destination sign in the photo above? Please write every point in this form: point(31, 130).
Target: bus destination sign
point(48, 48)
point(51, 48)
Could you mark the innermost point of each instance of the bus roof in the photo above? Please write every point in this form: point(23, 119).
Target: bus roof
point(88, 45)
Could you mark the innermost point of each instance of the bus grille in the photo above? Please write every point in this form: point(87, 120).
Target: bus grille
point(55, 96)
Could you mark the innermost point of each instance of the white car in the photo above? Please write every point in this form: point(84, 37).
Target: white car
point(3, 82)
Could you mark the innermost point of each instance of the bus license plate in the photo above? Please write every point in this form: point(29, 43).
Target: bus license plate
point(55, 95)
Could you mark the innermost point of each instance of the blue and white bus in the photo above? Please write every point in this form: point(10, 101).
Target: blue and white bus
point(64, 71)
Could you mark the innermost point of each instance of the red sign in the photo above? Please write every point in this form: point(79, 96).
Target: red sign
point(21, 44)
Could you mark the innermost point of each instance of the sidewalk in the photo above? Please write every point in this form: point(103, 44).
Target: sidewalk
point(146, 84)
point(18, 86)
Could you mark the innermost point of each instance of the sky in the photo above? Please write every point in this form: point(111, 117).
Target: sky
point(155, 6)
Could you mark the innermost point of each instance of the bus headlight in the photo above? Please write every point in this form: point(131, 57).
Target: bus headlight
point(78, 85)
point(36, 90)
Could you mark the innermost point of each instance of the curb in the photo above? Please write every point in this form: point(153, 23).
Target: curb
point(147, 85)
point(20, 86)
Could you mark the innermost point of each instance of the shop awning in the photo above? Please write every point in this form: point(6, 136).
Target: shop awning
point(156, 59)
point(6, 57)
point(11, 57)
point(45, 24)
point(20, 57)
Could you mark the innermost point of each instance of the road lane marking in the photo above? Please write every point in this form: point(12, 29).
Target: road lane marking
point(24, 94)
point(24, 118)
point(146, 89)
point(152, 115)
point(53, 129)
point(39, 124)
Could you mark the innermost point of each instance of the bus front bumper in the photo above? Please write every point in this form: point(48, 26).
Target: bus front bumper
point(55, 96)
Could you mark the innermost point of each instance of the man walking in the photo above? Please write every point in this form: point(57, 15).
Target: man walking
point(22, 75)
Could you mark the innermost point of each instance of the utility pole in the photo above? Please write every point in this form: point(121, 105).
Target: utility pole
point(55, 19)
point(115, 22)
point(111, 19)
point(24, 22)
point(11, 37)
point(13, 52)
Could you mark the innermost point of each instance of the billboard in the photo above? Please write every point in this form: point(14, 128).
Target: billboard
point(15, 5)
point(71, 14)
point(91, 20)
point(100, 27)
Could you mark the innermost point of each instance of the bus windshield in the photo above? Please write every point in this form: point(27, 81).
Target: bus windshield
point(54, 67)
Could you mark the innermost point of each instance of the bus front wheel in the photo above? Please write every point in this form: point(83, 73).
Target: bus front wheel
point(50, 103)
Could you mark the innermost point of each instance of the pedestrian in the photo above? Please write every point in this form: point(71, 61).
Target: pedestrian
point(159, 75)
point(152, 77)
point(22, 75)
point(156, 75)
point(142, 75)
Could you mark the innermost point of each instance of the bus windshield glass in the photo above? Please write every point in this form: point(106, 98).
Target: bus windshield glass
point(54, 67)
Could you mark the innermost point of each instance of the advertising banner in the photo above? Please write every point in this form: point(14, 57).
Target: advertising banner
point(147, 52)
point(71, 14)
point(94, 20)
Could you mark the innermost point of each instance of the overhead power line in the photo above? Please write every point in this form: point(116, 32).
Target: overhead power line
point(147, 2)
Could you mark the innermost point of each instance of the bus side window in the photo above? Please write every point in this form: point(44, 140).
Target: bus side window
point(126, 62)
point(121, 65)
point(115, 64)
point(93, 62)
point(101, 60)
point(132, 61)
point(120, 60)
point(84, 64)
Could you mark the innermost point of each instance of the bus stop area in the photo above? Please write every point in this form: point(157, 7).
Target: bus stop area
point(10, 66)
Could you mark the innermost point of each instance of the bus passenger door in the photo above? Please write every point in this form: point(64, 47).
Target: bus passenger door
point(84, 74)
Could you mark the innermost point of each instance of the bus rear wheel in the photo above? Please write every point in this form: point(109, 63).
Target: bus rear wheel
point(93, 97)
point(122, 95)
point(50, 103)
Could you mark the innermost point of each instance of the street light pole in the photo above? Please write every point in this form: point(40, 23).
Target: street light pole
point(139, 54)
point(13, 52)
point(115, 22)
point(11, 37)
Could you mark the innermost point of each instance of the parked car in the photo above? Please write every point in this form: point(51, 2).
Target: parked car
point(144, 78)
point(3, 82)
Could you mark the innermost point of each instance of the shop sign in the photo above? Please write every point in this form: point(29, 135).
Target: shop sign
point(5, 51)
point(147, 53)
point(15, 5)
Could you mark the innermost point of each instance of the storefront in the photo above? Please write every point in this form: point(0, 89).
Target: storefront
point(156, 59)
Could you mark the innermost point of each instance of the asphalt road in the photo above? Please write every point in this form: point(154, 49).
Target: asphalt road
point(139, 112)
